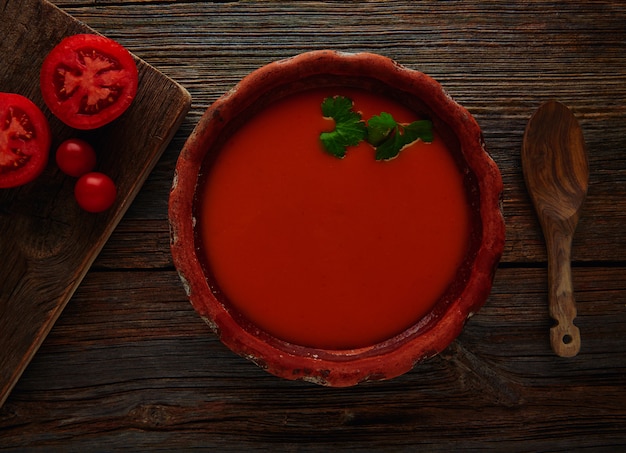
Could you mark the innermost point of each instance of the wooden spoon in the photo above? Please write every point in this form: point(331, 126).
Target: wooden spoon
point(556, 171)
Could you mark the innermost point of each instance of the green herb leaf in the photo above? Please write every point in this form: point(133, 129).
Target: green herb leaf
point(349, 130)
point(423, 129)
point(390, 137)
point(382, 131)
point(379, 127)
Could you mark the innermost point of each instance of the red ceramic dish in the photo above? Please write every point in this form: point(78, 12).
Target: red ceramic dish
point(427, 336)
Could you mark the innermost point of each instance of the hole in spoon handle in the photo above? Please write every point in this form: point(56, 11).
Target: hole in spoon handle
point(565, 340)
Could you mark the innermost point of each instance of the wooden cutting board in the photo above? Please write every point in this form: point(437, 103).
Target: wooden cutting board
point(47, 243)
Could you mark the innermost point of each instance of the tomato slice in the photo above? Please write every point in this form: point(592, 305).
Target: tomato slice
point(88, 80)
point(24, 140)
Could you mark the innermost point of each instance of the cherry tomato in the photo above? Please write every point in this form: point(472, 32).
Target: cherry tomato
point(24, 140)
point(75, 157)
point(88, 80)
point(95, 192)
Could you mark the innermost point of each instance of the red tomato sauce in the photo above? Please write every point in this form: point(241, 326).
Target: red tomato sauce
point(326, 252)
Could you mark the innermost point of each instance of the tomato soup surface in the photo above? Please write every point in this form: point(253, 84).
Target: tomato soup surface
point(326, 252)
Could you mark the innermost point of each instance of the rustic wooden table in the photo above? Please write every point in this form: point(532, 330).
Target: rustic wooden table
point(130, 365)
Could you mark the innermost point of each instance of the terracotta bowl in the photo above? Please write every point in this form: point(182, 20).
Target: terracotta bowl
point(427, 337)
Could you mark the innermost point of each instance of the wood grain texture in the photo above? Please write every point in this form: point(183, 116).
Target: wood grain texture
point(499, 60)
point(129, 364)
point(46, 242)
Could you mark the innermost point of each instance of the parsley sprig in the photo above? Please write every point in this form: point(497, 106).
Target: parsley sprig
point(383, 132)
point(349, 127)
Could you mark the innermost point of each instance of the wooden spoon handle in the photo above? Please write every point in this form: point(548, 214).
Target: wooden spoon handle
point(564, 336)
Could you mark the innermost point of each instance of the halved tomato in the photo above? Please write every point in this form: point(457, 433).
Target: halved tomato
point(24, 140)
point(88, 80)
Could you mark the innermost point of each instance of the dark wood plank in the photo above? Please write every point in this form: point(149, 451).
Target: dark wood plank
point(135, 364)
point(499, 59)
point(46, 242)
